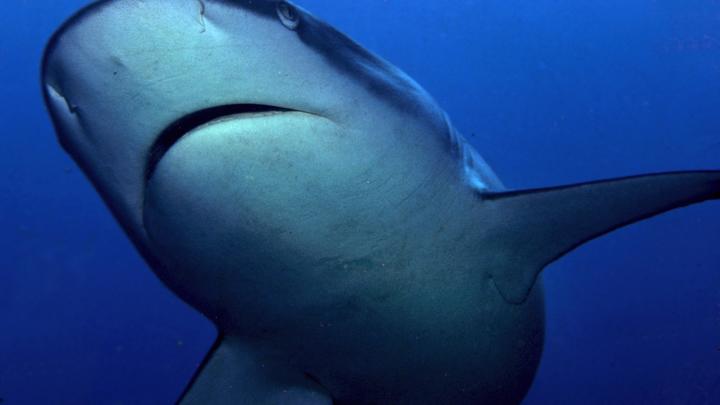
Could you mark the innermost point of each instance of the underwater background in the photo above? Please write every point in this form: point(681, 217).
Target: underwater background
point(549, 91)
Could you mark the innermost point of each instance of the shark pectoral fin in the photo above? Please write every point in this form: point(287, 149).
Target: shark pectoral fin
point(234, 374)
point(544, 224)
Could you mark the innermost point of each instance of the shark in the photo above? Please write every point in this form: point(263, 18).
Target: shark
point(318, 206)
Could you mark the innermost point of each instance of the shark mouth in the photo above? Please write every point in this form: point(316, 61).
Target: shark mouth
point(176, 130)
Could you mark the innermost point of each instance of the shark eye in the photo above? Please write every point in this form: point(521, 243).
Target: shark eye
point(288, 15)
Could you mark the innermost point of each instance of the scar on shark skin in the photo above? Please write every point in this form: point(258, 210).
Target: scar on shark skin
point(202, 15)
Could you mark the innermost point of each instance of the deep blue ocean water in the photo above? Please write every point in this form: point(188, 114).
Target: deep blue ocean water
point(549, 91)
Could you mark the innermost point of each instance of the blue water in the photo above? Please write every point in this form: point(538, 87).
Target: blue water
point(550, 92)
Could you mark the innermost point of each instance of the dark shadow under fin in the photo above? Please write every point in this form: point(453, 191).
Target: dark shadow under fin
point(539, 226)
point(234, 374)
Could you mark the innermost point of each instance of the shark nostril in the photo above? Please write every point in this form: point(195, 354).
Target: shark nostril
point(55, 94)
point(201, 18)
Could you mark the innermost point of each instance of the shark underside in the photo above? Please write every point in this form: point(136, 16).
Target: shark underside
point(317, 205)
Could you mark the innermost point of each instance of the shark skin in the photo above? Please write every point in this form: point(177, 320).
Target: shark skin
point(317, 205)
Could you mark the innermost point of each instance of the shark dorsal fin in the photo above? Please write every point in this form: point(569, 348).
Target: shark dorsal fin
point(545, 224)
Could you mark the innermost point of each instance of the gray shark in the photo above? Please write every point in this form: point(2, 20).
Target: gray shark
point(317, 205)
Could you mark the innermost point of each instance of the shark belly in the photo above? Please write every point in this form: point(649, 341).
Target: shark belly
point(366, 285)
point(458, 346)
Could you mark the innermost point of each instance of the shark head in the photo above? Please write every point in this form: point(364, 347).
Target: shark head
point(165, 103)
point(316, 204)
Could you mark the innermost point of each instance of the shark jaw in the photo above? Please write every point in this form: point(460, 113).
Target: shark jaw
point(205, 117)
